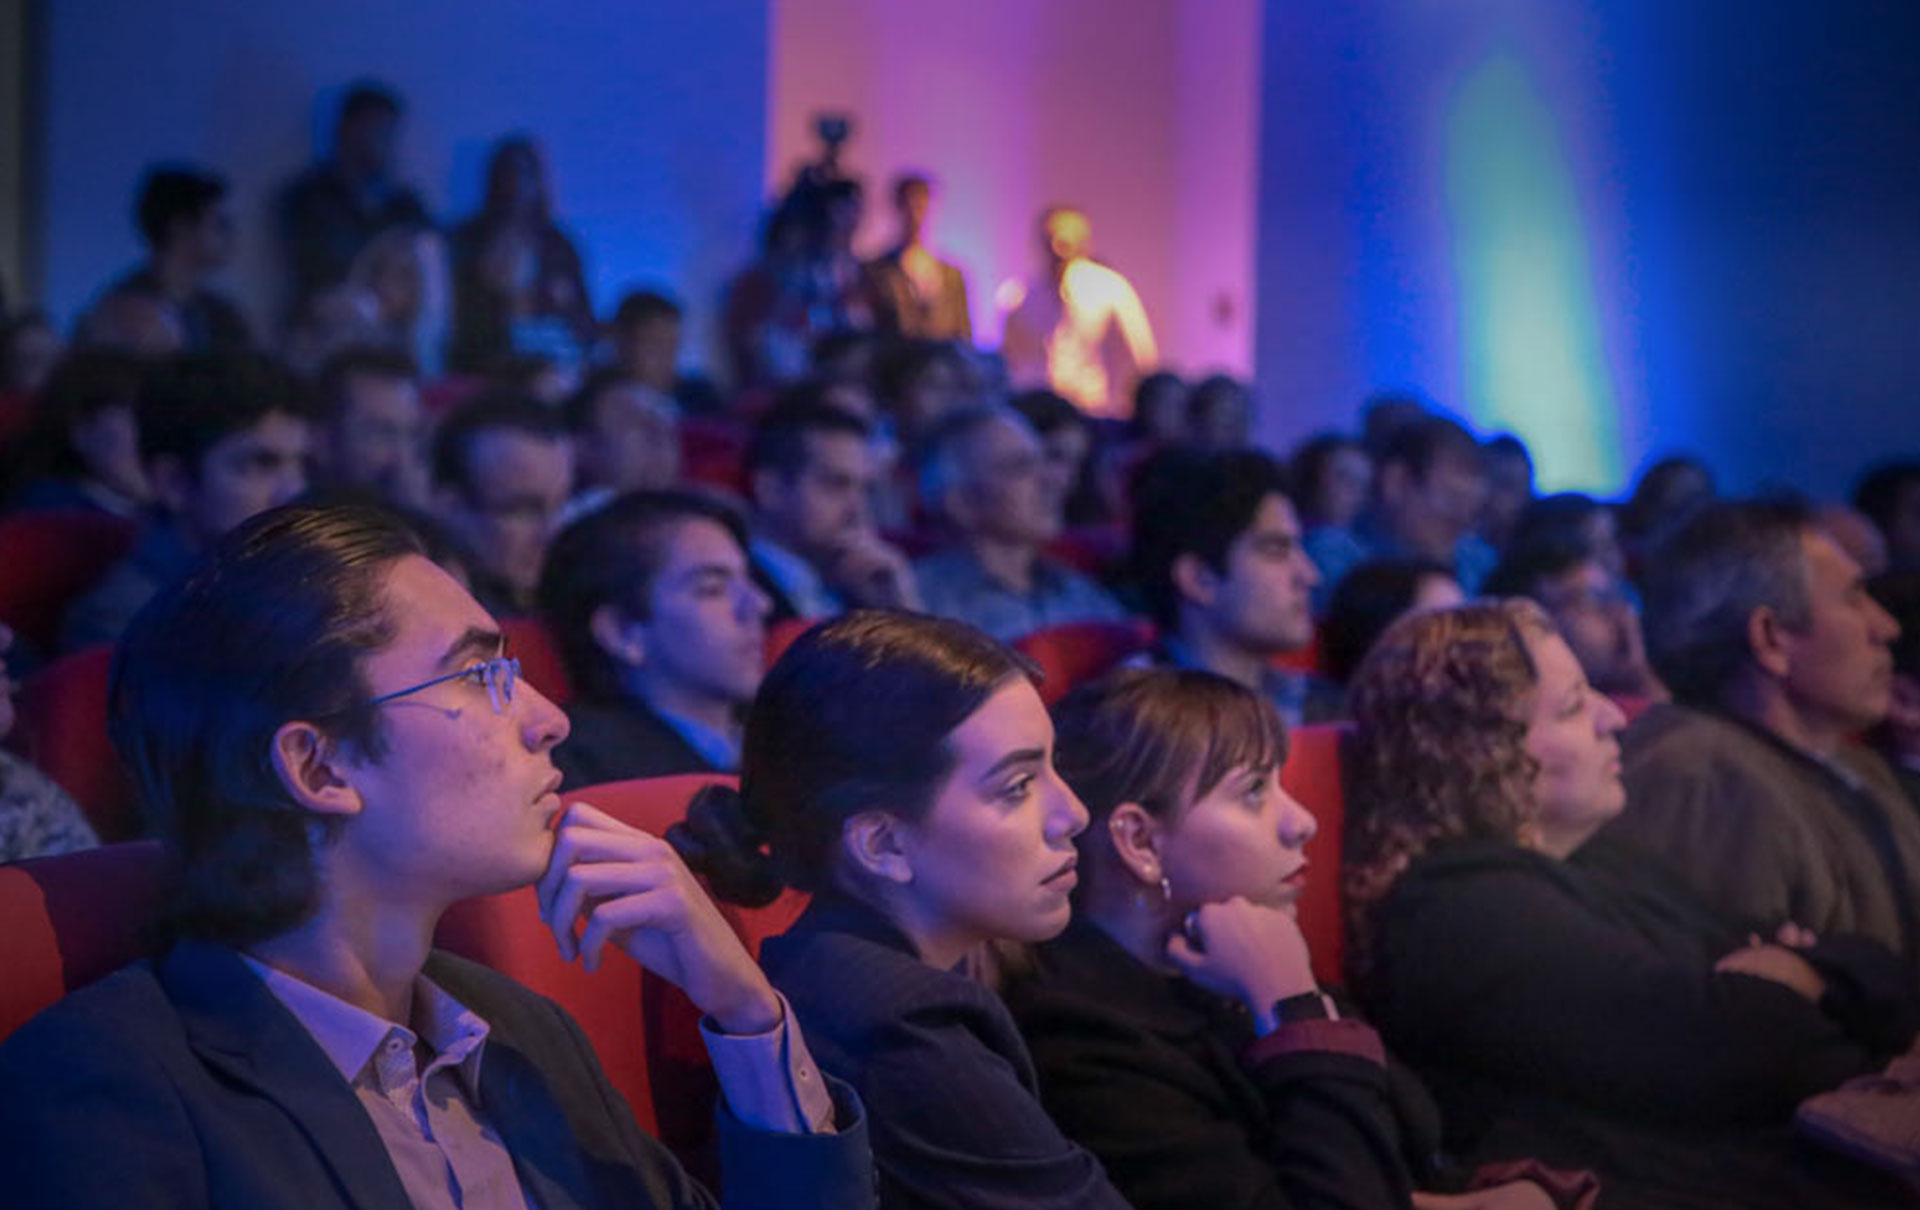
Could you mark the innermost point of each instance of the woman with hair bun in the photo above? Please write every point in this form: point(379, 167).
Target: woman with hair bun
point(1561, 994)
point(900, 769)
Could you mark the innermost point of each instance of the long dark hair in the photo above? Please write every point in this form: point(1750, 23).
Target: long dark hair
point(855, 716)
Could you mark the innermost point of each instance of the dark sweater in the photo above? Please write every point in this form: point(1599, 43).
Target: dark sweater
point(1570, 1010)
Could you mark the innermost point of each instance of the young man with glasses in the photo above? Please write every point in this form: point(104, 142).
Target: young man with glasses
point(335, 748)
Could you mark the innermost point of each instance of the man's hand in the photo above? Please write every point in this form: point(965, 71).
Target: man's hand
point(1778, 963)
point(633, 890)
point(873, 574)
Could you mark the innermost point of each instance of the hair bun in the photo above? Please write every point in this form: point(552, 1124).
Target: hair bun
point(720, 841)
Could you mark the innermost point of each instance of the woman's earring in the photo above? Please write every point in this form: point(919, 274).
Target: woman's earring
point(1166, 889)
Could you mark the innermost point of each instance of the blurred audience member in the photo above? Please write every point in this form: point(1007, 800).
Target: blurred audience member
point(1570, 524)
point(1386, 413)
point(1750, 783)
point(134, 318)
point(331, 211)
point(37, 817)
point(404, 270)
point(29, 349)
point(1667, 493)
point(626, 437)
point(82, 448)
point(1428, 488)
point(985, 475)
point(502, 470)
point(664, 636)
point(1591, 607)
point(1160, 409)
point(1217, 555)
point(187, 225)
point(1856, 534)
point(1509, 487)
point(1220, 413)
point(518, 284)
point(804, 285)
point(1067, 436)
point(1332, 477)
point(1899, 737)
point(1372, 597)
point(917, 384)
point(1080, 328)
point(1889, 495)
point(222, 436)
point(812, 470)
point(646, 335)
point(372, 433)
point(915, 293)
point(328, 322)
point(844, 365)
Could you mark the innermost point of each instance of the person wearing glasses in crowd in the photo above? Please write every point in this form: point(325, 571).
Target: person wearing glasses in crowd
point(335, 748)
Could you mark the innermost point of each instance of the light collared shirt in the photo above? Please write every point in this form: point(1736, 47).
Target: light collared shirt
point(433, 1123)
point(954, 585)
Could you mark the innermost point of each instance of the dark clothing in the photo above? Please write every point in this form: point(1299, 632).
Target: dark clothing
point(325, 222)
point(484, 320)
point(158, 558)
point(616, 740)
point(210, 323)
point(1166, 1084)
point(185, 1083)
point(954, 1104)
point(900, 309)
point(1570, 1010)
point(1768, 833)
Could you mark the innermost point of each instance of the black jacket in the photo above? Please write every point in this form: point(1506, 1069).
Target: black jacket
point(613, 741)
point(956, 1116)
point(1570, 1010)
point(185, 1083)
point(1165, 1082)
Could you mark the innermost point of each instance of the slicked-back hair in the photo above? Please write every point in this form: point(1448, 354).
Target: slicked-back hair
point(275, 626)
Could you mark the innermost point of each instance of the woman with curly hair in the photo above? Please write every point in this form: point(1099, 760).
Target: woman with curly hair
point(1563, 996)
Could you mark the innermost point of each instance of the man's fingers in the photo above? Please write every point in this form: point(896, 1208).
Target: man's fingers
point(574, 845)
point(645, 909)
point(584, 883)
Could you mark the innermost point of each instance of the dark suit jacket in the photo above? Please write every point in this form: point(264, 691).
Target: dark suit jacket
point(185, 1083)
point(1165, 1082)
point(613, 741)
point(898, 307)
point(957, 1120)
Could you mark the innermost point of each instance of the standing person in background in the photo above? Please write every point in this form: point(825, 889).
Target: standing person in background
point(404, 270)
point(518, 284)
point(188, 228)
point(1080, 329)
point(915, 293)
point(329, 212)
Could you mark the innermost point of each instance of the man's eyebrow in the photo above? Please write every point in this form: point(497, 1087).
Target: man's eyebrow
point(1019, 757)
point(478, 640)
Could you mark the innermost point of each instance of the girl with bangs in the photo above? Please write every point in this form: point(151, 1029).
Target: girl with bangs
point(1177, 1027)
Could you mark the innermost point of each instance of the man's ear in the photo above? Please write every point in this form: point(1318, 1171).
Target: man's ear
point(1136, 842)
point(1194, 580)
point(311, 768)
point(616, 636)
point(875, 845)
point(1767, 639)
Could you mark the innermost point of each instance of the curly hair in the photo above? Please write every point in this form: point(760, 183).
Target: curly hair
point(1439, 745)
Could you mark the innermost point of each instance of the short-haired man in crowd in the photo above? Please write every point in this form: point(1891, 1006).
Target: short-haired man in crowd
point(812, 471)
point(645, 334)
point(336, 749)
point(372, 433)
point(984, 474)
point(663, 632)
point(1750, 784)
point(1429, 485)
point(333, 209)
point(1217, 554)
point(626, 438)
point(187, 225)
point(502, 471)
point(1594, 611)
point(222, 436)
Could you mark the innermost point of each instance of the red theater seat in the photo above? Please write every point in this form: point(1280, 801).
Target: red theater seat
point(781, 635)
point(47, 560)
point(1305, 660)
point(63, 730)
point(713, 451)
point(1080, 651)
point(533, 645)
point(1091, 550)
point(1312, 775)
point(66, 921)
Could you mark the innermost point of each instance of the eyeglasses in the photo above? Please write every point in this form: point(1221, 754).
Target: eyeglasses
point(498, 675)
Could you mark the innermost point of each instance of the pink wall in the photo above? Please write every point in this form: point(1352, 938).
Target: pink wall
point(1140, 111)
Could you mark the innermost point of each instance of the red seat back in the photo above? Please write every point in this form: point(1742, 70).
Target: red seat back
point(63, 730)
point(66, 921)
point(781, 634)
point(48, 559)
point(1305, 660)
point(713, 451)
point(1080, 651)
point(539, 654)
point(1312, 775)
point(1091, 550)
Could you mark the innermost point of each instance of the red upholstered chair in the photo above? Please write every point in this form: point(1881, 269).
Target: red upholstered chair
point(48, 559)
point(1080, 651)
point(1312, 775)
point(781, 635)
point(66, 921)
point(1306, 660)
point(713, 451)
point(539, 654)
point(63, 731)
point(1633, 705)
point(1091, 550)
